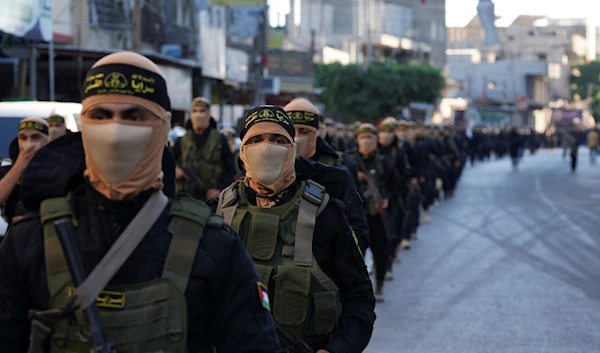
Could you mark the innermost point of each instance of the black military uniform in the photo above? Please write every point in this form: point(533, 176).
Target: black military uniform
point(224, 306)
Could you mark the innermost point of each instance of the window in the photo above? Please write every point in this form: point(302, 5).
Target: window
point(433, 31)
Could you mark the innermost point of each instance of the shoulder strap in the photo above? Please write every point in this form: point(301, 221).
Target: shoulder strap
point(188, 218)
point(228, 202)
point(314, 200)
point(57, 270)
point(187, 146)
point(121, 250)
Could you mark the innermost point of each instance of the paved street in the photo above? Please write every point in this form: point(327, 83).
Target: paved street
point(511, 264)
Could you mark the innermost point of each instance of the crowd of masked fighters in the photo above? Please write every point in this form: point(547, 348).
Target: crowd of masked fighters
point(234, 241)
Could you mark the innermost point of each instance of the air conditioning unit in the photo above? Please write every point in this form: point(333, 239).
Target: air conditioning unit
point(270, 85)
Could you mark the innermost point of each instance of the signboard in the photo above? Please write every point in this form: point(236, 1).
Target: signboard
point(29, 19)
point(252, 3)
point(243, 22)
point(213, 44)
point(179, 86)
point(237, 65)
point(523, 102)
point(494, 117)
point(291, 63)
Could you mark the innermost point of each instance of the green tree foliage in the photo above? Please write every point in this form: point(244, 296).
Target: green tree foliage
point(374, 93)
point(585, 77)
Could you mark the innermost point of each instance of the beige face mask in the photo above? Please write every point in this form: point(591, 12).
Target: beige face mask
point(200, 120)
point(123, 158)
point(302, 142)
point(56, 132)
point(266, 160)
point(367, 144)
point(386, 138)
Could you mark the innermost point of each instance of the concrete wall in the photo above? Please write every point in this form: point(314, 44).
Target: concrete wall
point(509, 77)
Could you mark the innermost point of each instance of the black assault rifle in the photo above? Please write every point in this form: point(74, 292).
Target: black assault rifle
point(375, 193)
point(290, 343)
point(64, 229)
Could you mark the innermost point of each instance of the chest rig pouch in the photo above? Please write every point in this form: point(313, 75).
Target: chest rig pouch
point(142, 318)
point(205, 162)
point(304, 300)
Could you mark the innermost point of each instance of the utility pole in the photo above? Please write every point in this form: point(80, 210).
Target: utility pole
point(260, 58)
point(51, 69)
point(136, 24)
point(33, 71)
point(369, 56)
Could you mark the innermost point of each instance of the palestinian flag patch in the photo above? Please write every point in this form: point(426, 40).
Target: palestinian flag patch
point(263, 296)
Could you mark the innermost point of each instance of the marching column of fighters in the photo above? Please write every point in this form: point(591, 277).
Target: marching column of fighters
point(211, 244)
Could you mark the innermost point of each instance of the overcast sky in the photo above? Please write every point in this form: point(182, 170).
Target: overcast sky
point(459, 12)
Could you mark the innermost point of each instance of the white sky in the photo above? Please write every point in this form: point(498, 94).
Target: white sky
point(460, 12)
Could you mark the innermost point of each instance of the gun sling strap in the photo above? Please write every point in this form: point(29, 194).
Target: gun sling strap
point(85, 294)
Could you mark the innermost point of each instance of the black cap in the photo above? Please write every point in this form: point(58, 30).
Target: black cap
point(270, 114)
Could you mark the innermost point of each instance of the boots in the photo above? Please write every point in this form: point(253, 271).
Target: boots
point(379, 292)
point(425, 216)
point(405, 244)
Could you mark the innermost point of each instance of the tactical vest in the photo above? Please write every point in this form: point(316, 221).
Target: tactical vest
point(205, 162)
point(330, 160)
point(141, 318)
point(304, 300)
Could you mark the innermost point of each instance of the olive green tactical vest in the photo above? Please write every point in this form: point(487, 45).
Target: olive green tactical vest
point(142, 318)
point(205, 162)
point(304, 300)
point(330, 160)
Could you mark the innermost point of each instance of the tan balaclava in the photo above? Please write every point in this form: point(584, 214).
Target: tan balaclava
point(306, 116)
point(200, 119)
point(322, 129)
point(124, 157)
point(34, 124)
point(386, 131)
point(367, 139)
point(269, 166)
point(56, 126)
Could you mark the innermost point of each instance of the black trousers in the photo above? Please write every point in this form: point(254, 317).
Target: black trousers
point(573, 162)
point(379, 246)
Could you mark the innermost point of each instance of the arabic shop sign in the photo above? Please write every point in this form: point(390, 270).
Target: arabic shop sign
point(29, 19)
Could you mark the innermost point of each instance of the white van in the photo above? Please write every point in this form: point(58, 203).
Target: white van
point(12, 112)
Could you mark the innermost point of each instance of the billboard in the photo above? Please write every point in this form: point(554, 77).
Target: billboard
point(29, 19)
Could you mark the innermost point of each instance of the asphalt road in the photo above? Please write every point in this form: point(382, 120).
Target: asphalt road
point(510, 264)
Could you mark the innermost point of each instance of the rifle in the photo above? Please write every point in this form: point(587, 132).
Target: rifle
point(374, 192)
point(290, 343)
point(64, 228)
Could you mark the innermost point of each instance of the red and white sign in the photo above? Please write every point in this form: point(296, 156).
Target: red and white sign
point(523, 102)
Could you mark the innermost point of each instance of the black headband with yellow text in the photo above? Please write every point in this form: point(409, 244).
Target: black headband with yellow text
point(55, 118)
point(200, 103)
point(367, 130)
point(127, 80)
point(269, 114)
point(33, 125)
point(304, 118)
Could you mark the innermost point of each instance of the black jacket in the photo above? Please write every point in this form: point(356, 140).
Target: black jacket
point(336, 253)
point(224, 309)
point(324, 148)
point(340, 185)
